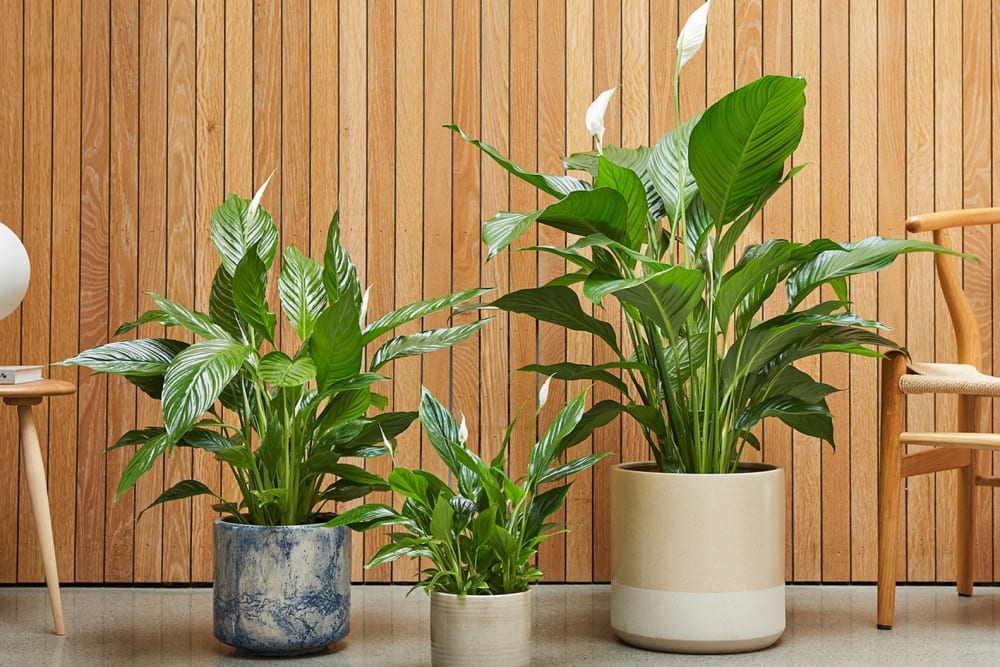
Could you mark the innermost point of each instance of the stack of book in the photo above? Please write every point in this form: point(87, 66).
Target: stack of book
point(20, 374)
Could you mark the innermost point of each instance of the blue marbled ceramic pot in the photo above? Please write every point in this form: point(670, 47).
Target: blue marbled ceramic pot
point(281, 590)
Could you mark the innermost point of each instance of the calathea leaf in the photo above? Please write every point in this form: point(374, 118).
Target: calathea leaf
point(300, 288)
point(236, 228)
point(195, 379)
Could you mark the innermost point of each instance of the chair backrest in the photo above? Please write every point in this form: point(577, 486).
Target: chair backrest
point(963, 318)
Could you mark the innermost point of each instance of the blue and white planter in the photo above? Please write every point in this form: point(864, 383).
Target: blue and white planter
point(281, 590)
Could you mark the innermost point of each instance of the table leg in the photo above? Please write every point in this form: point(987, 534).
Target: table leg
point(34, 471)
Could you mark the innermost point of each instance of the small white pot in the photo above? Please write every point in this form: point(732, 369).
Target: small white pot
point(480, 630)
point(698, 561)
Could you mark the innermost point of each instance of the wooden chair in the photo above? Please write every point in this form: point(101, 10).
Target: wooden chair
point(951, 450)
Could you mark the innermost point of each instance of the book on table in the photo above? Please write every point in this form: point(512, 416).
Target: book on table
point(20, 374)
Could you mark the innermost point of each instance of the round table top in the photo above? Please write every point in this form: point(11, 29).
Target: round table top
point(37, 388)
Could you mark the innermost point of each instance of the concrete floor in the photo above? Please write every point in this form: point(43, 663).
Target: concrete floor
point(827, 625)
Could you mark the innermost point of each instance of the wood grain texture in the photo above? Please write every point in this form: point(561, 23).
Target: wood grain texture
point(124, 124)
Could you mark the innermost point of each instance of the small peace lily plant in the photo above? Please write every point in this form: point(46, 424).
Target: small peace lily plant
point(289, 419)
point(482, 536)
point(656, 234)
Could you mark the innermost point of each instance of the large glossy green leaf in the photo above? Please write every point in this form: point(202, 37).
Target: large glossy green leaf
point(597, 416)
point(558, 305)
point(739, 146)
point(871, 254)
point(336, 346)
point(813, 419)
point(414, 311)
point(301, 291)
point(141, 357)
point(550, 446)
point(666, 298)
point(423, 342)
point(195, 379)
point(669, 175)
point(634, 159)
point(557, 186)
point(560, 472)
point(340, 276)
point(602, 211)
point(149, 317)
point(192, 320)
point(250, 296)
point(187, 488)
point(626, 183)
point(572, 371)
point(278, 370)
point(236, 227)
point(442, 431)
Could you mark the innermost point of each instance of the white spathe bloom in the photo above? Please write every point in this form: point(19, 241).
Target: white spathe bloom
point(595, 114)
point(693, 34)
point(543, 393)
point(256, 198)
point(364, 307)
point(463, 432)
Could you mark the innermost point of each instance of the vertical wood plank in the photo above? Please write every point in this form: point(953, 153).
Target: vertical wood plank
point(409, 208)
point(94, 176)
point(11, 214)
point(148, 564)
point(806, 476)
point(181, 53)
point(380, 206)
point(324, 140)
point(920, 282)
point(834, 182)
point(123, 294)
point(864, 289)
point(209, 193)
point(65, 279)
point(550, 126)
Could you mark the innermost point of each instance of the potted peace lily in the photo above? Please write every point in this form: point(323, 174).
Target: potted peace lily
point(480, 537)
point(281, 423)
point(697, 537)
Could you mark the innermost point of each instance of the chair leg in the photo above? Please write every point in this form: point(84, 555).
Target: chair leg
point(890, 463)
point(965, 529)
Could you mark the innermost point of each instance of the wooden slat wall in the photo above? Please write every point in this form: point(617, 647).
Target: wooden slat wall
point(123, 124)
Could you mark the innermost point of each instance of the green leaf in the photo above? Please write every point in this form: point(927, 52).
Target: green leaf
point(335, 346)
point(149, 317)
point(388, 424)
point(141, 357)
point(576, 465)
point(812, 419)
point(551, 444)
point(195, 379)
point(597, 416)
point(666, 298)
point(184, 489)
point(273, 449)
point(238, 457)
point(504, 228)
point(140, 463)
point(193, 321)
point(250, 297)
point(221, 307)
point(301, 291)
point(569, 371)
point(740, 145)
point(364, 517)
point(235, 229)
point(865, 256)
point(344, 490)
point(278, 370)
point(138, 436)
point(626, 183)
point(634, 159)
point(410, 485)
point(340, 277)
point(417, 310)
point(423, 342)
point(602, 211)
point(556, 186)
point(442, 519)
point(671, 177)
point(542, 506)
point(558, 305)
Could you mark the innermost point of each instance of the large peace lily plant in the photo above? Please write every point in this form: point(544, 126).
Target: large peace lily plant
point(656, 234)
point(280, 422)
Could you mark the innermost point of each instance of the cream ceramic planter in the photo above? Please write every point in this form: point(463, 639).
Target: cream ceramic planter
point(698, 561)
point(481, 630)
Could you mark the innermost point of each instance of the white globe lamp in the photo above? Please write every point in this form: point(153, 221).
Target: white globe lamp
point(15, 271)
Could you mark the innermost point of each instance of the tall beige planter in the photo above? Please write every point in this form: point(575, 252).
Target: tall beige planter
point(698, 561)
point(481, 630)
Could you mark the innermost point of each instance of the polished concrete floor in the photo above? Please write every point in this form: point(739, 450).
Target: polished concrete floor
point(827, 625)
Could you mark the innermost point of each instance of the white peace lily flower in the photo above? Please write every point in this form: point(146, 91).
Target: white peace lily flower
point(364, 307)
point(595, 115)
point(388, 446)
point(543, 393)
point(463, 432)
point(693, 34)
point(257, 197)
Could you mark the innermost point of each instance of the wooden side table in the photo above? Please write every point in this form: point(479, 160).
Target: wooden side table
point(24, 396)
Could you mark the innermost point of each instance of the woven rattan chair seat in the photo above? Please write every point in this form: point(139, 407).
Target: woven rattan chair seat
point(933, 378)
